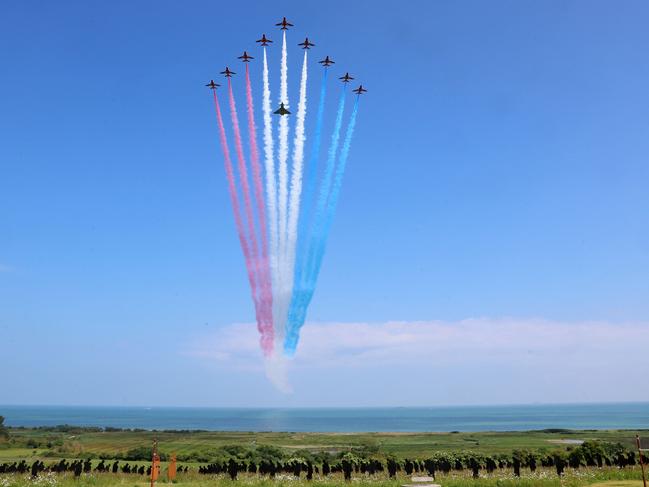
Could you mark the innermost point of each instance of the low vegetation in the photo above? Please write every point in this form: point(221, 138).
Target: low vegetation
point(102, 457)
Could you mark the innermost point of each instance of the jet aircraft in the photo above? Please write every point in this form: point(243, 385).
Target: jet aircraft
point(346, 78)
point(360, 90)
point(227, 72)
point(326, 62)
point(264, 41)
point(306, 44)
point(212, 85)
point(245, 57)
point(285, 24)
point(281, 110)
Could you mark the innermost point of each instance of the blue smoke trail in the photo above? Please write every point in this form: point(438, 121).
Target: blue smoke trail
point(317, 240)
point(335, 191)
point(309, 202)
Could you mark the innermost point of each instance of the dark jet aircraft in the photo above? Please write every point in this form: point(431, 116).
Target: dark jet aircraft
point(227, 72)
point(281, 110)
point(360, 90)
point(285, 24)
point(346, 78)
point(306, 44)
point(212, 85)
point(264, 41)
point(245, 57)
point(326, 62)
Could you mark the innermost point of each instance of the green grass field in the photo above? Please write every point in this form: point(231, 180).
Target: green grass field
point(52, 445)
point(414, 445)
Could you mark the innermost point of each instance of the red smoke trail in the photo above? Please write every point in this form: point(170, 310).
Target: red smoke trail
point(266, 341)
point(263, 323)
point(265, 281)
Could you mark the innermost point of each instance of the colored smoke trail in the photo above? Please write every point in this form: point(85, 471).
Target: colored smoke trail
point(332, 203)
point(266, 292)
point(264, 322)
point(236, 209)
point(282, 293)
point(318, 236)
point(271, 188)
point(308, 204)
point(293, 206)
point(296, 179)
point(312, 168)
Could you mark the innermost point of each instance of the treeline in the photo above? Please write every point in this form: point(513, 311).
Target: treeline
point(272, 461)
point(77, 467)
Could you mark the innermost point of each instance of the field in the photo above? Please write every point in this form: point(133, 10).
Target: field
point(52, 445)
point(401, 444)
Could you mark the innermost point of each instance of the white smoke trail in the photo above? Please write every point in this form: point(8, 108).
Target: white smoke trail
point(271, 189)
point(282, 297)
point(296, 180)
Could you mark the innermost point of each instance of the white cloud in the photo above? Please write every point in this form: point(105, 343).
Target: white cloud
point(562, 357)
point(363, 344)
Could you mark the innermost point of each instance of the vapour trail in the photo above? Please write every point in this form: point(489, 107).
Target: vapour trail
point(265, 289)
point(332, 202)
point(280, 303)
point(263, 321)
point(238, 221)
point(318, 235)
point(308, 206)
point(271, 187)
point(296, 179)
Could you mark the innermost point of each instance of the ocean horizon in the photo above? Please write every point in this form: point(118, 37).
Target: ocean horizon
point(339, 419)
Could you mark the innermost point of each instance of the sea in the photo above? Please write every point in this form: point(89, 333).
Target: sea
point(340, 420)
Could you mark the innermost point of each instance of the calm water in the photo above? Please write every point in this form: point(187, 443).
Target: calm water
point(466, 418)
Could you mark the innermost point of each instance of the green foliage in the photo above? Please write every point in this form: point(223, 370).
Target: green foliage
point(142, 453)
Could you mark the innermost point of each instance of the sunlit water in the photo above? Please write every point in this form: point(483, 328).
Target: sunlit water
point(408, 419)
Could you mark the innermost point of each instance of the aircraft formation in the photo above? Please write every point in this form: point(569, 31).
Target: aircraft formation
point(307, 44)
point(284, 191)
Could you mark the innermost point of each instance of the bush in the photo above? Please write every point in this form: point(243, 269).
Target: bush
point(142, 453)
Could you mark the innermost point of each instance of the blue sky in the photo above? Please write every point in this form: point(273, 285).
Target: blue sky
point(498, 171)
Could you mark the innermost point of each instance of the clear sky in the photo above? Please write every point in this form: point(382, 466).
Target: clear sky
point(495, 202)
